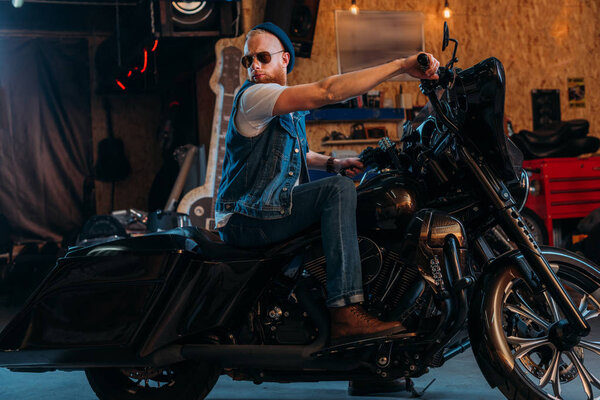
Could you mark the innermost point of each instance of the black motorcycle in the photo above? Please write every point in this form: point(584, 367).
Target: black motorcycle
point(163, 315)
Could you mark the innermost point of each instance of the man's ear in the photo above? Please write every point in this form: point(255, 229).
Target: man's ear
point(286, 59)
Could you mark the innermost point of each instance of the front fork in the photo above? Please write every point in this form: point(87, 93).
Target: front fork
point(514, 226)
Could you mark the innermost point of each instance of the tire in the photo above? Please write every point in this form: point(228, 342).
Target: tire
point(510, 317)
point(183, 381)
point(536, 226)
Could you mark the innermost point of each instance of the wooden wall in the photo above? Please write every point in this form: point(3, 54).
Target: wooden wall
point(540, 42)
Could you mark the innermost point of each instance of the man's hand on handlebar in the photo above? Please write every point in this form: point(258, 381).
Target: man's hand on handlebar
point(350, 166)
point(414, 69)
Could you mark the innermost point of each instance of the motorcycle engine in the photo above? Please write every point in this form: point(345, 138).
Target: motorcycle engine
point(393, 289)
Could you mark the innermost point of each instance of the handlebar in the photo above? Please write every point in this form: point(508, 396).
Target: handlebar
point(423, 61)
point(386, 155)
point(428, 88)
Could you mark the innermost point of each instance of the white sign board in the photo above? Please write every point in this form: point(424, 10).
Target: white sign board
point(371, 38)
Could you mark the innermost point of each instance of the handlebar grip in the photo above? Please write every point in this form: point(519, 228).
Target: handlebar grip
point(423, 60)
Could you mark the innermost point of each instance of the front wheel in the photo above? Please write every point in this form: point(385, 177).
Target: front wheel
point(183, 381)
point(520, 348)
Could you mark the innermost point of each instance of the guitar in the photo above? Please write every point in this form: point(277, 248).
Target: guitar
point(198, 203)
point(187, 153)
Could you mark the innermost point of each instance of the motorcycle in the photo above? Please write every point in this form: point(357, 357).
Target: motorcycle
point(163, 315)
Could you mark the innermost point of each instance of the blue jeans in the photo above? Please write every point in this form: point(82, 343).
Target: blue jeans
point(330, 200)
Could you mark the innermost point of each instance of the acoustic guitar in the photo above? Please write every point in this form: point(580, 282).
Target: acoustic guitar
point(198, 203)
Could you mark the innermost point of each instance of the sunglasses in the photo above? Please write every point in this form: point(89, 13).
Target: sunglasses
point(264, 57)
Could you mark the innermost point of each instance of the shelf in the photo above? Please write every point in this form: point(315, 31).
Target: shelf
point(355, 114)
point(352, 141)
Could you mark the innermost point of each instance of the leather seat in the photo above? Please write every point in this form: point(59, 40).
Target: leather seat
point(571, 148)
point(560, 139)
point(204, 242)
point(557, 132)
point(210, 245)
point(190, 238)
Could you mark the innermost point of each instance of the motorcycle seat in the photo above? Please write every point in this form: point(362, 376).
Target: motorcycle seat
point(556, 133)
point(572, 148)
point(201, 241)
point(190, 238)
point(210, 245)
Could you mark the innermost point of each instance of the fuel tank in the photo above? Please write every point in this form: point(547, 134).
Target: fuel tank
point(388, 201)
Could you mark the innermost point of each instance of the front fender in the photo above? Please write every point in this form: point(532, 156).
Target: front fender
point(484, 306)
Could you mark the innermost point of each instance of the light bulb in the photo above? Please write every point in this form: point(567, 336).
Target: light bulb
point(447, 11)
point(354, 8)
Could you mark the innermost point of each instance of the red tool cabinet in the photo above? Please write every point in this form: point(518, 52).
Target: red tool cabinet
point(563, 188)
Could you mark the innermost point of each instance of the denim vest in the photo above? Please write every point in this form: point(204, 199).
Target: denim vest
point(259, 172)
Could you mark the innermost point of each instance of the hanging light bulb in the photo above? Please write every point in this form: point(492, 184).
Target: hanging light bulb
point(447, 11)
point(354, 8)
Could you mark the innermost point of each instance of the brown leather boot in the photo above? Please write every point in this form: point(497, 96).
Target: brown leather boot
point(352, 322)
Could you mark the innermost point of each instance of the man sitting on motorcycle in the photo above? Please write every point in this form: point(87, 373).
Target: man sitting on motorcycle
point(265, 197)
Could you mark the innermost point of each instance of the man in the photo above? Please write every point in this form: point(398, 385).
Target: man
point(265, 197)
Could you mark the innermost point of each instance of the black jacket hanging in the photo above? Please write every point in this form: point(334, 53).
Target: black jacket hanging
point(111, 163)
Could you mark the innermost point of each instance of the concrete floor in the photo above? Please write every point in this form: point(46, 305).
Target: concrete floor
point(458, 379)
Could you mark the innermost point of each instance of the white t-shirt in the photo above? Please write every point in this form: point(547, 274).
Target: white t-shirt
point(255, 108)
point(254, 112)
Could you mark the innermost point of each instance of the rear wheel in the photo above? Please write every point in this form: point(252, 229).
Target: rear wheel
point(183, 381)
point(535, 362)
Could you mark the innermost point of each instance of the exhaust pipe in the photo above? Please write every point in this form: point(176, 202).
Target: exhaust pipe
point(265, 356)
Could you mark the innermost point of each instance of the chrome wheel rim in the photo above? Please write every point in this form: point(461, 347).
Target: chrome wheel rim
point(527, 321)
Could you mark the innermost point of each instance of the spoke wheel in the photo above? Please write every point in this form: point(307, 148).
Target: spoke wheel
point(530, 360)
point(527, 320)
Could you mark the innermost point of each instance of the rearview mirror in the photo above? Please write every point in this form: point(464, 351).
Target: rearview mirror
point(446, 36)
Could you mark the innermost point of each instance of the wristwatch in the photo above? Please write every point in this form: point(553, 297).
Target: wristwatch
point(330, 167)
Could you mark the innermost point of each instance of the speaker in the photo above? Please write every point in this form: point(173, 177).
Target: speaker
point(545, 105)
point(216, 18)
point(298, 19)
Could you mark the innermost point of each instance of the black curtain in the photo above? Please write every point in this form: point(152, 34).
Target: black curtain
point(45, 134)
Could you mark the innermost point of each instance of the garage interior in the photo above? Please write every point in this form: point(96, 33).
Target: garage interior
point(111, 111)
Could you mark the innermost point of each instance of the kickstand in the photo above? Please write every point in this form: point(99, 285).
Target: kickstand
point(410, 387)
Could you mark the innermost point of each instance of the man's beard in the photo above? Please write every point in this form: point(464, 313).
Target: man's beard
point(265, 78)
